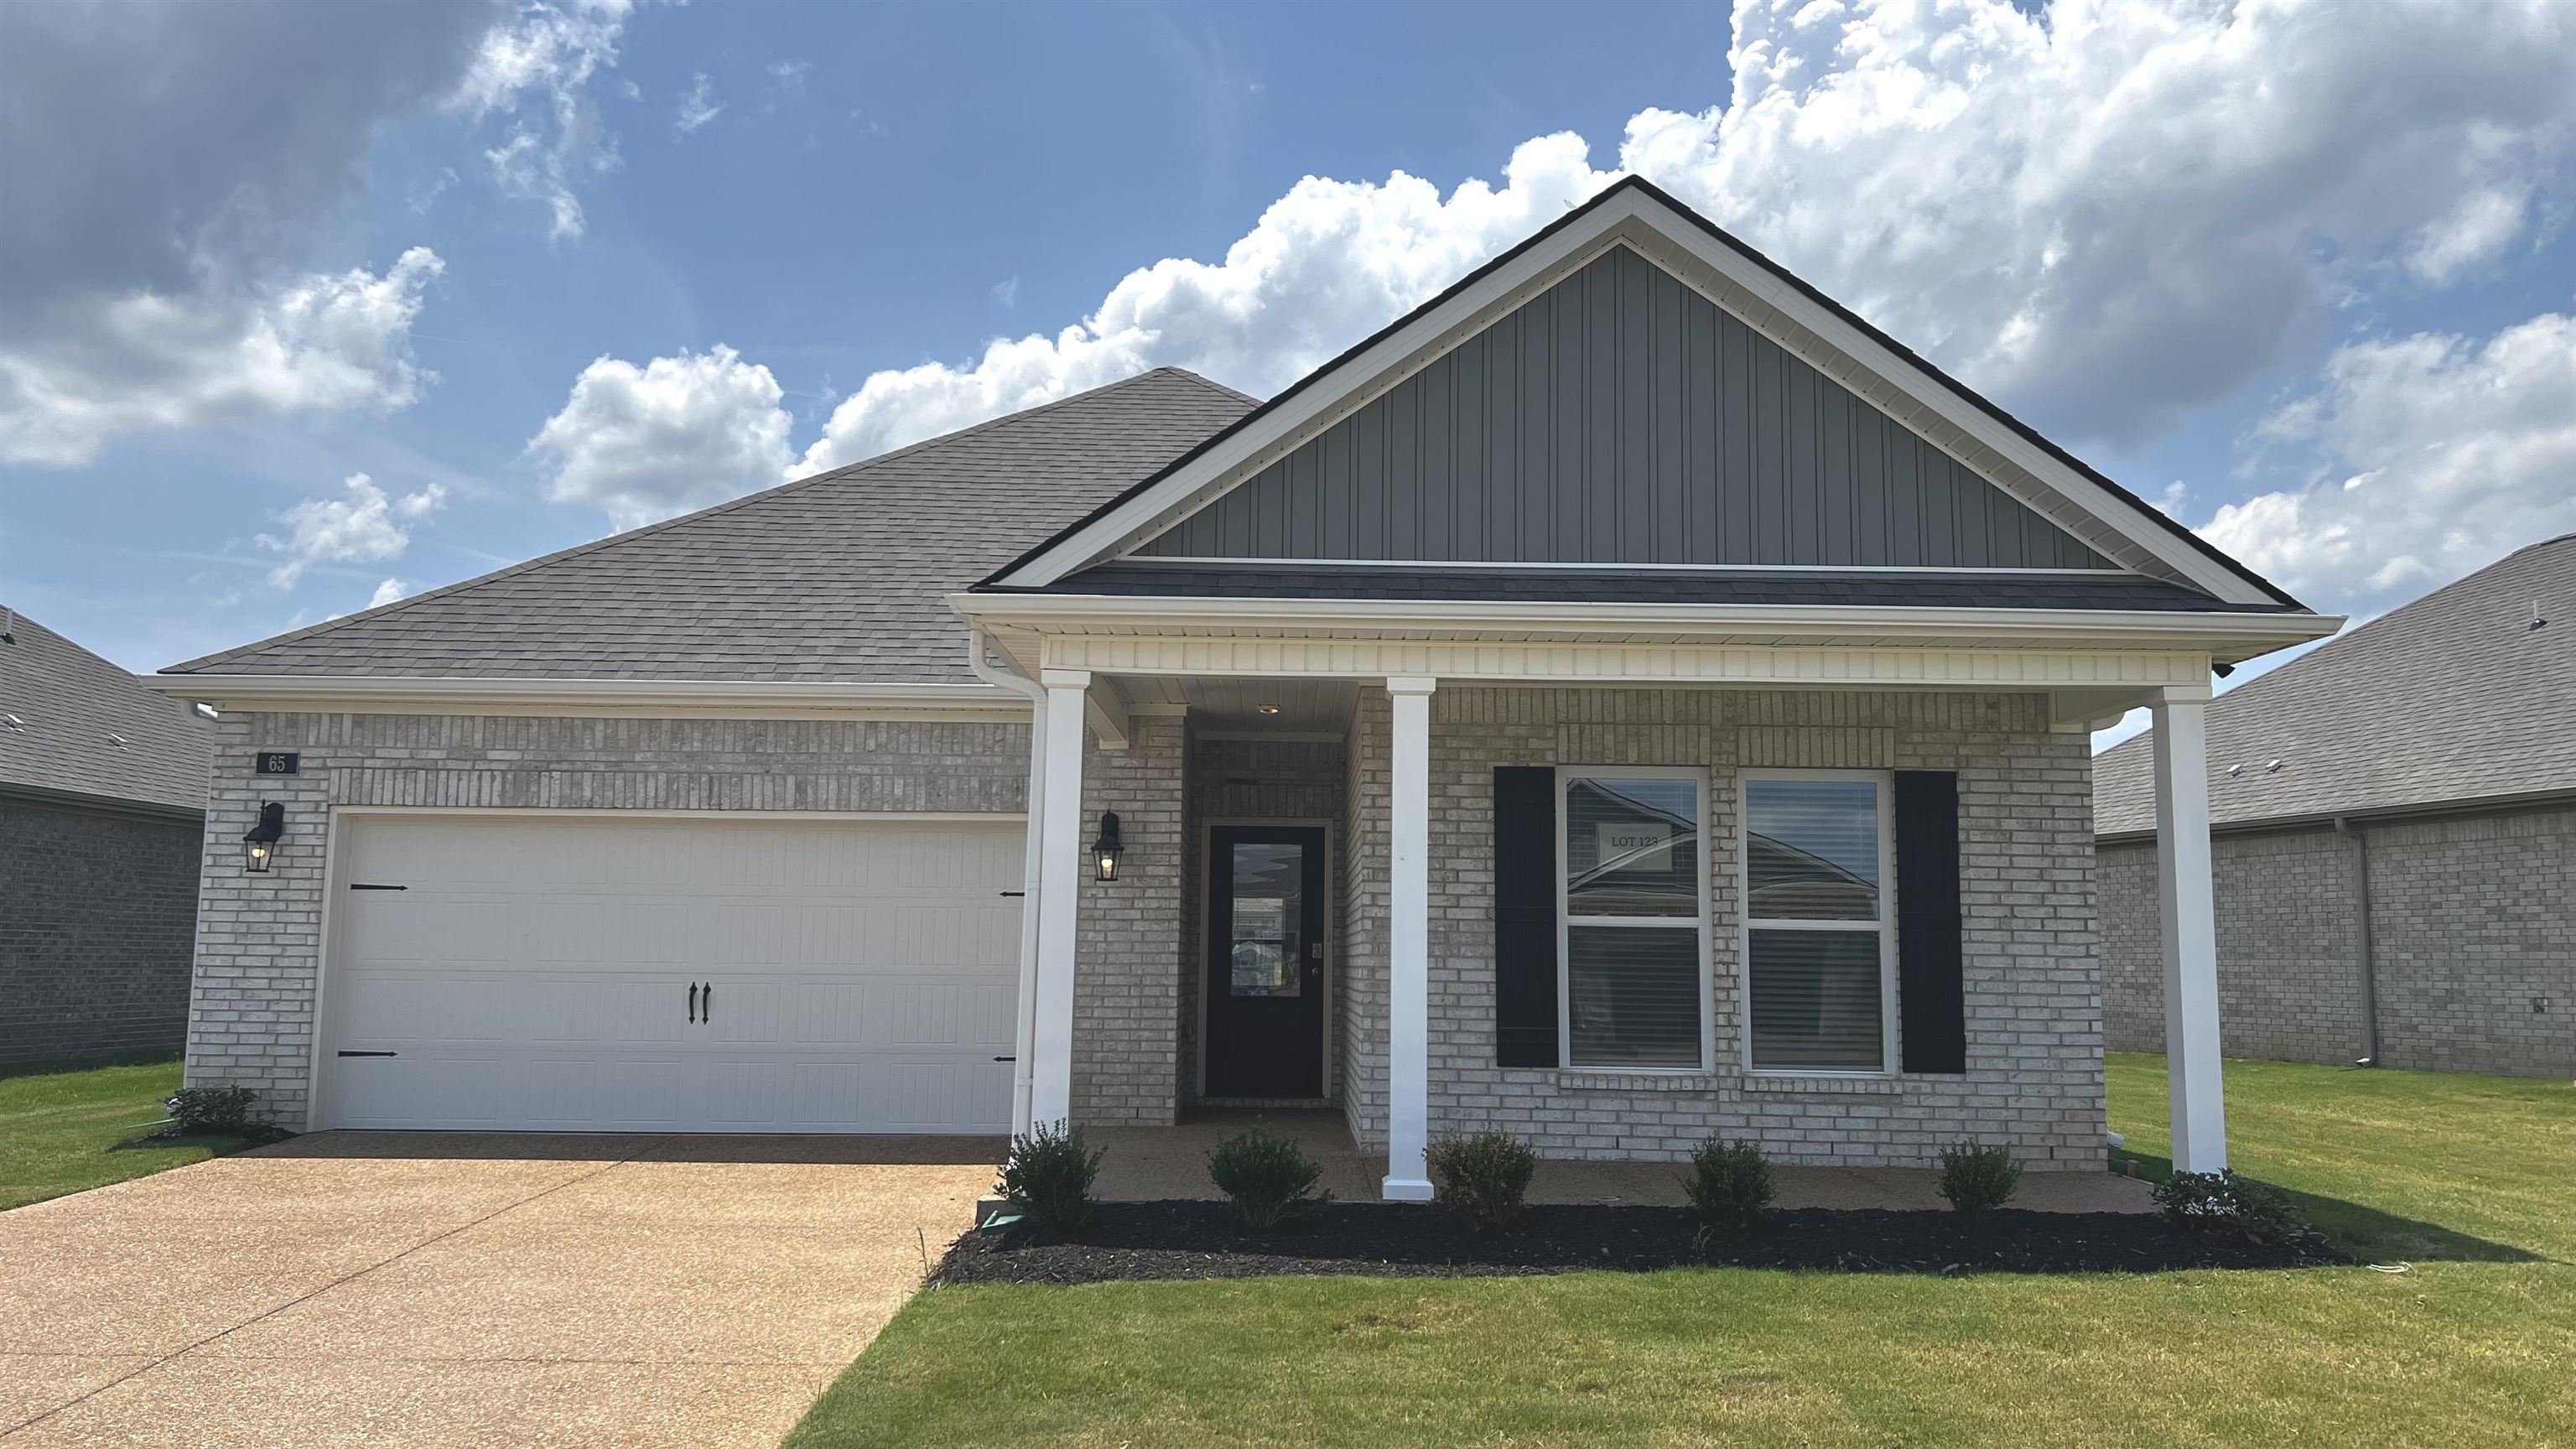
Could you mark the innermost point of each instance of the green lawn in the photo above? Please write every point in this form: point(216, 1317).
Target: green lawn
point(2467, 1179)
point(68, 1126)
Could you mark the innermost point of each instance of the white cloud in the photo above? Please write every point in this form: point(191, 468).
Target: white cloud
point(321, 344)
point(698, 105)
point(678, 433)
point(364, 524)
point(536, 69)
point(1007, 291)
point(2425, 457)
point(2106, 217)
point(391, 591)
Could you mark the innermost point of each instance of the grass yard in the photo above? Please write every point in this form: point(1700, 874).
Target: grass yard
point(2471, 1181)
point(69, 1126)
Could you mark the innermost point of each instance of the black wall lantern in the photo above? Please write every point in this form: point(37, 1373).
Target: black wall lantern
point(1105, 849)
point(259, 847)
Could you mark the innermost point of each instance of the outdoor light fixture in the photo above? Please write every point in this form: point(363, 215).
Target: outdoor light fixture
point(1105, 849)
point(259, 847)
point(1267, 708)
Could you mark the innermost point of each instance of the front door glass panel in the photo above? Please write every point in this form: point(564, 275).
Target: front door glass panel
point(1269, 949)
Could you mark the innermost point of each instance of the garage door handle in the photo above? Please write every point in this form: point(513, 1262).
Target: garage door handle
point(693, 1001)
point(707, 1003)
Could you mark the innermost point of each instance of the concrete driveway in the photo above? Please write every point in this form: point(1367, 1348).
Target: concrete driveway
point(467, 1289)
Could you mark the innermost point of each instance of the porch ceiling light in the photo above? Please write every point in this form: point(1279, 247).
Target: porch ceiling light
point(1267, 708)
point(1104, 851)
point(259, 846)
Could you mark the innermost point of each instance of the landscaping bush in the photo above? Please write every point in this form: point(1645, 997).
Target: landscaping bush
point(1729, 1182)
point(2222, 1202)
point(212, 1111)
point(1977, 1180)
point(1267, 1176)
point(1049, 1175)
point(1484, 1179)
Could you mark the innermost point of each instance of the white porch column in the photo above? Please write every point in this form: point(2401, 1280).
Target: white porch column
point(1032, 891)
point(2196, 1100)
point(1408, 943)
point(1059, 896)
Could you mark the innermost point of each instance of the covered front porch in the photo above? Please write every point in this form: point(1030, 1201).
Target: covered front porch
point(1429, 719)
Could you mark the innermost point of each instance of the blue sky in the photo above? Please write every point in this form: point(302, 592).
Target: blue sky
point(2258, 252)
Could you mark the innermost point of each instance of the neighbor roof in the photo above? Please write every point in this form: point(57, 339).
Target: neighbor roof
point(839, 577)
point(2454, 698)
point(77, 725)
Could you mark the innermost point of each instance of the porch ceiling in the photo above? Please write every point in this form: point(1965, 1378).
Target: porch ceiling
point(1292, 705)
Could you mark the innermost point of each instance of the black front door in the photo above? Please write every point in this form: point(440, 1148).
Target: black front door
point(1265, 961)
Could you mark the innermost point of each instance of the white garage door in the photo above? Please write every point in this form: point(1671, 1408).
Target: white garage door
point(592, 973)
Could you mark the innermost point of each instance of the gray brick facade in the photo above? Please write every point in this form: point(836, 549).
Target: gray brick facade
point(2473, 924)
point(2034, 1076)
point(97, 909)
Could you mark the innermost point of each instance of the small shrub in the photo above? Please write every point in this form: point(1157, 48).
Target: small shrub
point(1484, 1179)
point(1729, 1182)
point(1049, 1175)
point(1267, 1176)
point(213, 1111)
point(2223, 1202)
point(1977, 1180)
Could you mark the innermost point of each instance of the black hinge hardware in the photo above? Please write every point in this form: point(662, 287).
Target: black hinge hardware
point(1015, 895)
point(360, 886)
point(369, 1054)
point(1006, 1059)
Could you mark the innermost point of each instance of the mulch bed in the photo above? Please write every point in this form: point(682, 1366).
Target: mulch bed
point(1188, 1240)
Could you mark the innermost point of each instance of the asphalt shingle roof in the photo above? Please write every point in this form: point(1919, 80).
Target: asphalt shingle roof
point(2454, 697)
point(839, 577)
point(1306, 581)
point(67, 709)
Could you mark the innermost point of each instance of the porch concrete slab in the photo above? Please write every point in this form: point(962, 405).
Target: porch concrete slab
point(1143, 1164)
point(438, 1289)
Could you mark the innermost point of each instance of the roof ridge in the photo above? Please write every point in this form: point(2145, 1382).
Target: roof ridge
point(775, 490)
point(1211, 384)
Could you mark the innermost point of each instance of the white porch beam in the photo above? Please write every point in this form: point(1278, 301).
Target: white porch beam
point(1060, 891)
point(1408, 996)
point(1104, 706)
point(2196, 1097)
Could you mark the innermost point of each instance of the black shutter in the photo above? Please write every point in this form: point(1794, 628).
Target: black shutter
point(1933, 1007)
point(1524, 916)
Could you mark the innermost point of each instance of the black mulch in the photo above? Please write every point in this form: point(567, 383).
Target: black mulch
point(1166, 1240)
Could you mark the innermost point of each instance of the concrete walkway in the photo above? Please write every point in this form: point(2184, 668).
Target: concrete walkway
point(1144, 1164)
point(469, 1290)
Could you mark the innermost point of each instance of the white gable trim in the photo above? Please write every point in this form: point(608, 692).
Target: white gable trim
point(1809, 330)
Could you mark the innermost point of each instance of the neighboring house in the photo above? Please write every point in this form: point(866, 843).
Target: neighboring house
point(1439, 701)
point(2396, 849)
point(102, 822)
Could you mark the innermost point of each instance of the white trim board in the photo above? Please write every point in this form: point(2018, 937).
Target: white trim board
point(668, 698)
point(1633, 216)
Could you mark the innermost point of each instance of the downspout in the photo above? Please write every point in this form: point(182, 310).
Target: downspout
point(1025, 1028)
point(2361, 932)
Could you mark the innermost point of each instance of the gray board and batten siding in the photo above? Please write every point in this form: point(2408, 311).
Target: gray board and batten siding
point(1622, 418)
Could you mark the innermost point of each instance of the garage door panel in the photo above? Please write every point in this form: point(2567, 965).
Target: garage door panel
point(538, 973)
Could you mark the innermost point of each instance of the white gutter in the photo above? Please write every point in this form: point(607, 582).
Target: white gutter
point(2229, 636)
point(273, 691)
point(1033, 858)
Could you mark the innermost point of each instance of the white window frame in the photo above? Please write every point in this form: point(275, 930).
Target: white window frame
point(1746, 924)
point(1699, 919)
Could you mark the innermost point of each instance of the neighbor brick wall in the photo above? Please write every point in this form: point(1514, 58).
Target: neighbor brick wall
point(97, 910)
point(2474, 924)
point(2034, 1076)
point(2473, 919)
point(258, 939)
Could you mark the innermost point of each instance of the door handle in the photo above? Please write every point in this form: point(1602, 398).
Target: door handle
point(693, 1001)
point(707, 1003)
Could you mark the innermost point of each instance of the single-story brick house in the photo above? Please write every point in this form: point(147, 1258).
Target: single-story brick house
point(1627, 698)
point(102, 824)
point(2395, 818)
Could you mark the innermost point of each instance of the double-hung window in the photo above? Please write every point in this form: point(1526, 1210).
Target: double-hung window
point(1819, 943)
point(1632, 884)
